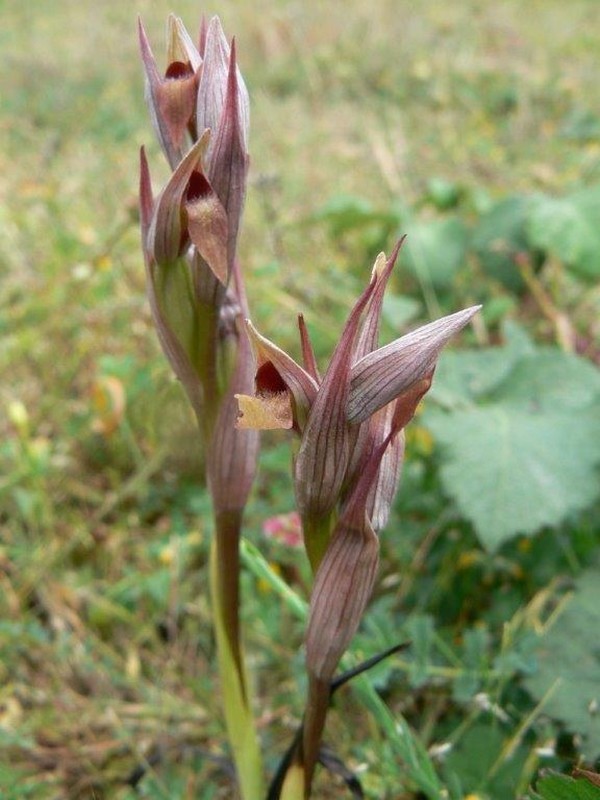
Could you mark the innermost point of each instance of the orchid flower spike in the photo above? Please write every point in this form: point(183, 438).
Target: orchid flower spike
point(366, 392)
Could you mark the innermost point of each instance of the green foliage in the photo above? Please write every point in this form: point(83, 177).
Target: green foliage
point(476, 766)
point(498, 238)
point(443, 194)
point(568, 654)
point(352, 218)
point(561, 787)
point(567, 229)
point(520, 438)
point(436, 250)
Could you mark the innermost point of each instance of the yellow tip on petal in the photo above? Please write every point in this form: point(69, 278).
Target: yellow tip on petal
point(379, 265)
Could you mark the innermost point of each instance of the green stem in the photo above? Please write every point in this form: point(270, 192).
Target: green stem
point(317, 532)
point(224, 587)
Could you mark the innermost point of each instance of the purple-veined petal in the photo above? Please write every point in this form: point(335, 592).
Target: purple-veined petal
point(385, 488)
point(168, 236)
point(345, 577)
point(390, 421)
point(385, 426)
point(213, 78)
point(227, 163)
point(360, 435)
point(381, 376)
point(213, 83)
point(202, 36)
point(325, 447)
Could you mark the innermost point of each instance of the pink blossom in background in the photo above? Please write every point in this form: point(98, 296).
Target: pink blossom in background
point(284, 528)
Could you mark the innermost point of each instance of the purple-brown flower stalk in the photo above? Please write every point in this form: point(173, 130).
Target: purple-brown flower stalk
point(350, 426)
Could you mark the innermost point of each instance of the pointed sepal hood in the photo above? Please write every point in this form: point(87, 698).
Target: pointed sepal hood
point(384, 374)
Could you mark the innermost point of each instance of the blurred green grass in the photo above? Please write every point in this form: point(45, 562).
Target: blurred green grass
point(103, 620)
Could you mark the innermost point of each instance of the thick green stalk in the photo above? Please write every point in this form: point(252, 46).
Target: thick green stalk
point(224, 587)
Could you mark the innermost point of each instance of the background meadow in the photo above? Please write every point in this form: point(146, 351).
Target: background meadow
point(474, 128)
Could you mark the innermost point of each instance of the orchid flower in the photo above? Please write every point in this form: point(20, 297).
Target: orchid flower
point(341, 418)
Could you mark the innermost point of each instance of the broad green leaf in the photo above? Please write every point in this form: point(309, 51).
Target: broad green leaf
point(515, 470)
point(474, 760)
point(499, 237)
point(569, 664)
point(567, 228)
point(560, 787)
point(526, 455)
point(420, 630)
point(551, 380)
point(435, 250)
point(443, 194)
point(476, 642)
point(345, 213)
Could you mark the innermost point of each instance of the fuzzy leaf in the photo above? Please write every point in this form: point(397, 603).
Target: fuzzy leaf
point(561, 787)
point(498, 239)
point(569, 657)
point(567, 228)
point(513, 471)
point(528, 456)
point(436, 249)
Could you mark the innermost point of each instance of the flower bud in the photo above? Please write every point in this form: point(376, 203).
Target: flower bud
point(342, 588)
point(171, 98)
